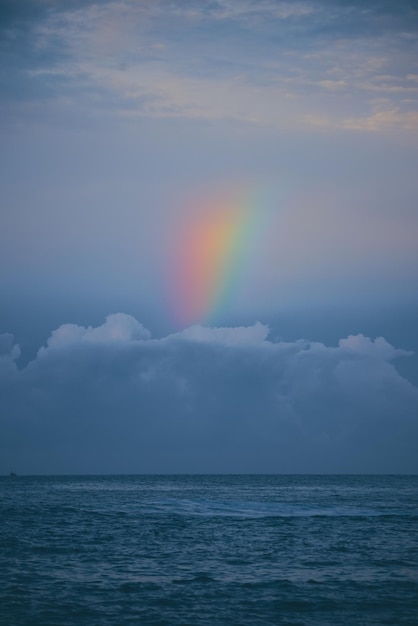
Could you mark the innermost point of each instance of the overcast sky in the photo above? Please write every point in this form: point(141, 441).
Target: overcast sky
point(240, 178)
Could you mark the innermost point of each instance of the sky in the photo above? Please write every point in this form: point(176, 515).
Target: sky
point(208, 236)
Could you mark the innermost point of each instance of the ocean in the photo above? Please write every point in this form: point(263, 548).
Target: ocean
point(208, 550)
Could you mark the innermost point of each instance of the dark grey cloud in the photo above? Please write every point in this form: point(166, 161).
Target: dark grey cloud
point(111, 399)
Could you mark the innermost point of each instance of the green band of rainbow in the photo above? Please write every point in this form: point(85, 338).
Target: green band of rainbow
point(215, 250)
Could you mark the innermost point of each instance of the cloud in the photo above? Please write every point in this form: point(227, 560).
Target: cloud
point(215, 61)
point(379, 121)
point(118, 327)
point(112, 399)
point(379, 348)
point(256, 12)
point(383, 120)
point(9, 353)
point(333, 84)
point(242, 335)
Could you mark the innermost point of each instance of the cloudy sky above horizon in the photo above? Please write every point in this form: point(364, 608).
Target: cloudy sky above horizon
point(238, 177)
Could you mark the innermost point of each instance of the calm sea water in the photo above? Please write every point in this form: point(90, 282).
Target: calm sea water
point(209, 550)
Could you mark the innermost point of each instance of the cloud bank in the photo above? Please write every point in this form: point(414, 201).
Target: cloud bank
point(113, 399)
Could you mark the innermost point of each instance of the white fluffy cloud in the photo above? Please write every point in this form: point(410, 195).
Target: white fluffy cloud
point(118, 327)
point(112, 399)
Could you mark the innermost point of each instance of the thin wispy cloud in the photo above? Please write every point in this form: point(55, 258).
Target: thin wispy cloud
point(277, 64)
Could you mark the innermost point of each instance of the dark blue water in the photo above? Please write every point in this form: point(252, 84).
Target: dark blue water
point(209, 550)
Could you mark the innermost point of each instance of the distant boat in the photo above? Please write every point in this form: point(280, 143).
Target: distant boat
point(13, 474)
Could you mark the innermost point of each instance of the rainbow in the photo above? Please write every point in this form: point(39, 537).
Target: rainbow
point(213, 252)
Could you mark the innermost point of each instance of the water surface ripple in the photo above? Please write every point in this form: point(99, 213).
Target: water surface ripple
point(209, 550)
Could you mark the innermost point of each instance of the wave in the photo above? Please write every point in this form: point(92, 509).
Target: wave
point(246, 509)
